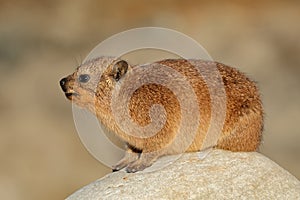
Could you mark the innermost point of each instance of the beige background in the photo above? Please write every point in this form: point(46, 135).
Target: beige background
point(41, 41)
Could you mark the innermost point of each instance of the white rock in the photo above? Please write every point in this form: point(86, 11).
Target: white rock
point(221, 175)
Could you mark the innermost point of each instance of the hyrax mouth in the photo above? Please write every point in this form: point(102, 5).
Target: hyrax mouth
point(70, 95)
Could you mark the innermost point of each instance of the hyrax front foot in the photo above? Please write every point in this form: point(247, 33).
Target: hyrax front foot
point(129, 157)
point(137, 166)
point(145, 160)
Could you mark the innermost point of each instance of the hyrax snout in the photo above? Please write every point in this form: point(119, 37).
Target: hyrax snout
point(93, 84)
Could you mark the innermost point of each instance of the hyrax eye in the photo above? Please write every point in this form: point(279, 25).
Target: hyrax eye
point(83, 78)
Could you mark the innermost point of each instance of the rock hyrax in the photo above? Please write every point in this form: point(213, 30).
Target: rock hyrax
point(91, 87)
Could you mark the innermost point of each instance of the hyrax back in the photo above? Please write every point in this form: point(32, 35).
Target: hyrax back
point(92, 86)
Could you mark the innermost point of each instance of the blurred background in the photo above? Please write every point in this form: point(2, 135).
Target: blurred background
point(41, 156)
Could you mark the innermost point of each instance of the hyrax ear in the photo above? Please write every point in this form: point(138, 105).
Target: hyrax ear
point(119, 69)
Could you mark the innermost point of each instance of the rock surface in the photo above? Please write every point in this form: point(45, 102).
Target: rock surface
point(221, 175)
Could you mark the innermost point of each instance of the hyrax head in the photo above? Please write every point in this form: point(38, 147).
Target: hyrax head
point(94, 81)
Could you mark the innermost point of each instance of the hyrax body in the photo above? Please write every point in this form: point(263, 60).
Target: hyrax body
point(91, 87)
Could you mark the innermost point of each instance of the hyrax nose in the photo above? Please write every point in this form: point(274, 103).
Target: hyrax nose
point(62, 83)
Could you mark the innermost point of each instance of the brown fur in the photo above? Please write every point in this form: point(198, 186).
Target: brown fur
point(241, 131)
